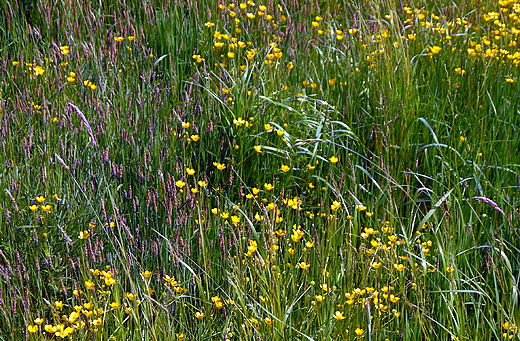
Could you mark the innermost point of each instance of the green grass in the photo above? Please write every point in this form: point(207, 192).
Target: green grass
point(370, 188)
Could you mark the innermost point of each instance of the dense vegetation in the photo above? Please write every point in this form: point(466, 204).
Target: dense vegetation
point(208, 170)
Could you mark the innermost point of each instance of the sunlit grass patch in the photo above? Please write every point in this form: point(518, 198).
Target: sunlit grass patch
point(242, 171)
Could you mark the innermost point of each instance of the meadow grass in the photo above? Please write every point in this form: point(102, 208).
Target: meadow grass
point(205, 170)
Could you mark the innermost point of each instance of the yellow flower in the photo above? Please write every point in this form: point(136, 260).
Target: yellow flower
point(202, 183)
point(235, 220)
point(195, 138)
point(58, 304)
point(333, 159)
point(197, 58)
point(130, 296)
point(460, 71)
point(119, 39)
point(359, 331)
point(268, 127)
point(190, 171)
point(49, 328)
point(73, 317)
point(63, 333)
point(38, 321)
point(268, 186)
point(361, 207)
point(369, 214)
point(251, 249)
point(411, 36)
point(15, 63)
point(258, 149)
point(285, 168)
point(97, 322)
point(215, 210)
point(462, 139)
point(319, 298)
point(224, 215)
point(89, 284)
point(33, 207)
point(40, 199)
point(399, 267)
point(194, 190)
point(231, 55)
point(291, 251)
point(218, 302)
point(309, 244)
point(32, 329)
point(115, 305)
point(338, 316)
point(65, 50)
point(84, 234)
point(147, 274)
point(376, 265)
point(180, 184)
point(180, 336)
point(335, 206)
point(131, 38)
point(199, 315)
point(304, 266)
point(185, 125)
point(39, 70)
point(221, 166)
point(434, 50)
point(297, 235)
point(290, 66)
point(238, 122)
point(450, 269)
point(259, 217)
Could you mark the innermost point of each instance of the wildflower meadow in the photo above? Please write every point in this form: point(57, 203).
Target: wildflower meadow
point(277, 170)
